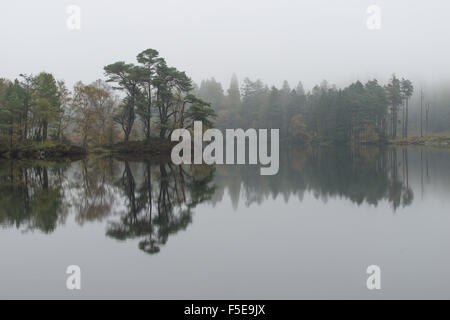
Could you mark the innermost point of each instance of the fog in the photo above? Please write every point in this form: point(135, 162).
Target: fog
point(268, 40)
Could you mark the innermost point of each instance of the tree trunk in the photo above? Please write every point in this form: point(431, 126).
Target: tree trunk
point(25, 129)
point(149, 110)
point(44, 130)
point(11, 133)
point(403, 120)
point(421, 114)
point(148, 129)
point(130, 123)
point(406, 119)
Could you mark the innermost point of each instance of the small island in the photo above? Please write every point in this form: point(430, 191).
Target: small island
point(41, 118)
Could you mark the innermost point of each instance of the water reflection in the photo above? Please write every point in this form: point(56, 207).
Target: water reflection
point(32, 195)
point(150, 201)
point(160, 205)
point(368, 175)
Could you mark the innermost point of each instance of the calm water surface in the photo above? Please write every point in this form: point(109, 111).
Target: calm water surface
point(139, 228)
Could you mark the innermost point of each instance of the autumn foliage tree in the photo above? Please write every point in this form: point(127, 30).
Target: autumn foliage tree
point(298, 130)
point(93, 107)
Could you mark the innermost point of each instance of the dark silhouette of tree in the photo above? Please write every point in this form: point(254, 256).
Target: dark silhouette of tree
point(127, 77)
point(160, 208)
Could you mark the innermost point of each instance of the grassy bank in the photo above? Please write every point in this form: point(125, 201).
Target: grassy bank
point(155, 146)
point(35, 150)
point(434, 141)
point(438, 140)
point(48, 150)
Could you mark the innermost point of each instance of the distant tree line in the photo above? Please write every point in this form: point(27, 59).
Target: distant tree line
point(358, 113)
point(150, 99)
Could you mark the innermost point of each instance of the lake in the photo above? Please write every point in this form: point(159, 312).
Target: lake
point(146, 229)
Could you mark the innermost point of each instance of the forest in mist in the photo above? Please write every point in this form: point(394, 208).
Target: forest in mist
point(136, 102)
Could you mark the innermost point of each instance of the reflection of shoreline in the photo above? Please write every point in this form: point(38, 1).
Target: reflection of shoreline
point(149, 201)
point(157, 204)
point(156, 213)
point(368, 175)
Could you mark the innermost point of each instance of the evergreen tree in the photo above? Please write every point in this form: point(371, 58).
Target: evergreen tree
point(211, 91)
point(149, 61)
point(407, 91)
point(127, 77)
point(394, 95)
point(234, 94)
point(45, 102)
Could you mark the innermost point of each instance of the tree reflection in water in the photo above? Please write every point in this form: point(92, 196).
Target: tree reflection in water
point(368, 175)
point(150, 201)
point(32, 195)
point(163, 203)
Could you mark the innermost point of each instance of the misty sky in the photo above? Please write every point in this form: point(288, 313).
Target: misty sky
point(270, 40)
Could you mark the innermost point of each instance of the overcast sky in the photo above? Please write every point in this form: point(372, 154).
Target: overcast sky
point(270, 40)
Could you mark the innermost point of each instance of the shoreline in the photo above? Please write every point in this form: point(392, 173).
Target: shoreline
point(41, 151)
point(431, 141)
point(161, 148)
